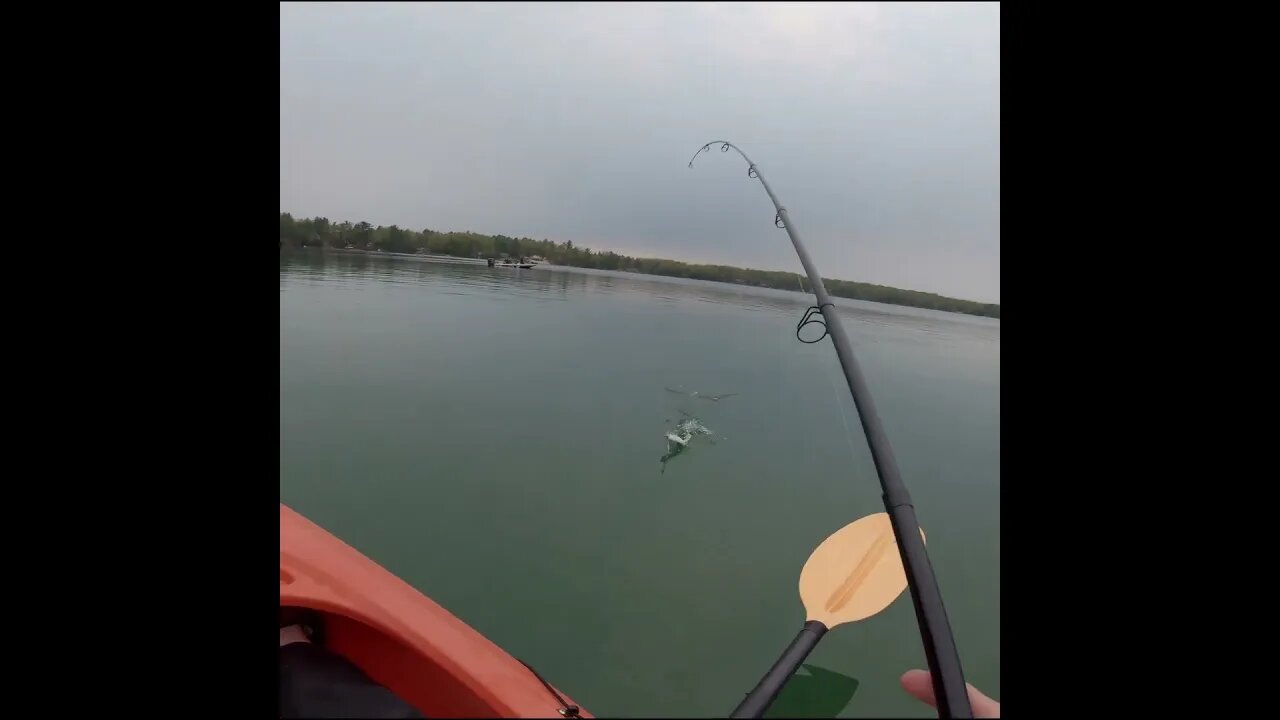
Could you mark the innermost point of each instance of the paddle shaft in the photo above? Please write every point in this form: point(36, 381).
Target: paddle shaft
point(935, 629)
point(762, 696)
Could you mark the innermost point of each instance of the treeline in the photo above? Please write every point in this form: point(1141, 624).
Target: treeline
point(320, 232)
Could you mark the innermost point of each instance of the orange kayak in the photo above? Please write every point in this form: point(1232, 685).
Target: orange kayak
point(402, 639)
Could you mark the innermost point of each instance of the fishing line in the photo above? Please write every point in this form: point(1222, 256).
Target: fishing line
point(848, 434)
point(835, 389)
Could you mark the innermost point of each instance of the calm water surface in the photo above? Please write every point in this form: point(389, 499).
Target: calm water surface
point(493, 437)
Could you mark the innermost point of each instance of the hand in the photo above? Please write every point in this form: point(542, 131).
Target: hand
point(919, 684)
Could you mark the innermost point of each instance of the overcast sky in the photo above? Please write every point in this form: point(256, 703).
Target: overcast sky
point(878, 125)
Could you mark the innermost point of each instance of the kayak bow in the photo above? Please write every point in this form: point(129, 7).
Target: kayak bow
point(401, 638)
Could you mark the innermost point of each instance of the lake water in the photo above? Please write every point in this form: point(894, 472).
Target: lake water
point(493, 437)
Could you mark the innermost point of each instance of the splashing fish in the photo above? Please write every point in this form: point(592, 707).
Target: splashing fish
point(679, 439)
point(696, 394)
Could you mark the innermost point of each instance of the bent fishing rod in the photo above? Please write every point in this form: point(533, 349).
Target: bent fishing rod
point(935, 630)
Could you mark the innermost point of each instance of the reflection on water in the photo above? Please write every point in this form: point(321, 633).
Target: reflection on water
point(548, 283)
point(356, 270)
point(820, 693)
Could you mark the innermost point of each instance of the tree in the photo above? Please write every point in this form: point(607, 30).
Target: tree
point(397, 240)
point(363, 234)
point(295, 232)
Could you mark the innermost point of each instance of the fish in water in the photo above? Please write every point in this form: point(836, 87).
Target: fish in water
point(671, 452)
point(696, 394)
point(679, 439)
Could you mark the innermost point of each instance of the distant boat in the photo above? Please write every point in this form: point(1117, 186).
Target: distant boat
point(524, 265)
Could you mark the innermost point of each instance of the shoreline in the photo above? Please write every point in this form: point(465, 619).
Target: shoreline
point(483, 262)
point(469, 247)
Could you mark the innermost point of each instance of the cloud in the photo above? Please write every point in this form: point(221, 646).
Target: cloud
point(878, 124)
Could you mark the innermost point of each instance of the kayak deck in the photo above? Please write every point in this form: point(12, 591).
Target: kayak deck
point(399, 637)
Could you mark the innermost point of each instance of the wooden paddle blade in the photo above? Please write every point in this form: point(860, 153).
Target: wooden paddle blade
point(855, 573)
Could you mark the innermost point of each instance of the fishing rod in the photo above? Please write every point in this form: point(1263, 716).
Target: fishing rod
point(940, 651)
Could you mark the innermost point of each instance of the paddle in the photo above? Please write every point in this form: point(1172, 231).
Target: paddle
point(854, 574)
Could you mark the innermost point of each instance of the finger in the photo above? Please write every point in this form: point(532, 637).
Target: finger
point(919, 684)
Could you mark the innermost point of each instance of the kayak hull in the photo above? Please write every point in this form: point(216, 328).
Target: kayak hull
point(401, 638)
